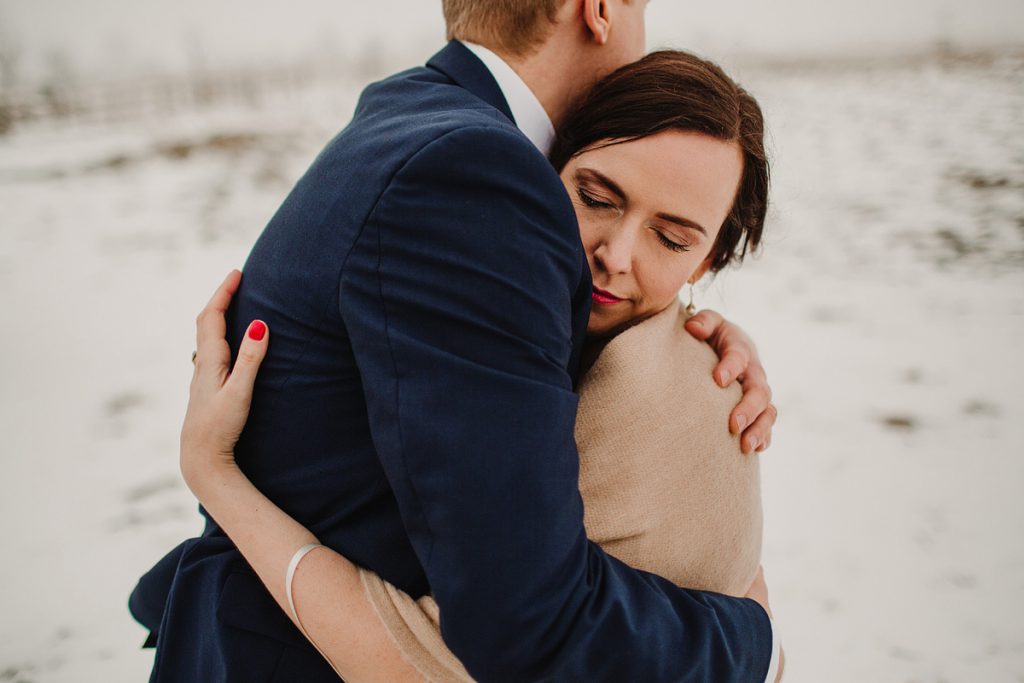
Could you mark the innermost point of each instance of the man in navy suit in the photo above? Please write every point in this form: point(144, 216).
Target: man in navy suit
point(429, 295)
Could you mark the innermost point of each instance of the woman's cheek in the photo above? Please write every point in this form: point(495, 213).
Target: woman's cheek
point(675, 279)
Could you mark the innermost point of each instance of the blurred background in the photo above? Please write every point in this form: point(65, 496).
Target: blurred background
point(144, 145)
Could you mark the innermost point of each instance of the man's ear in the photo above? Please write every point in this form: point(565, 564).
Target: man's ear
point(595, 15)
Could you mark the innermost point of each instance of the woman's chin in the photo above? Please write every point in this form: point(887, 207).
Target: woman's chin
point(604, 325)
point(597, 327)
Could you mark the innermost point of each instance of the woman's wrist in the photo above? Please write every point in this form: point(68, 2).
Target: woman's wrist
point(207, 474)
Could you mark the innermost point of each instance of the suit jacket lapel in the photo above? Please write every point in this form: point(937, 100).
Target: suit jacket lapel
point(462, 66)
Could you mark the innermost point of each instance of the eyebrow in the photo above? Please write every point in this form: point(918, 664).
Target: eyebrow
point(615, 189)
point(683, 222)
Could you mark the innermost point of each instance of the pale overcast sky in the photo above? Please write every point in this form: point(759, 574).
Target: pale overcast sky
point(111, 36)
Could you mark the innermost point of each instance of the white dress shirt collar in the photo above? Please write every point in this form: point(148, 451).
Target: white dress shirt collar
point(527, 110)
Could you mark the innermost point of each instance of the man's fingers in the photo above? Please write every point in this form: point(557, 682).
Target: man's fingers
point(758, 436)
point(247, 365)
point(756, 399)
point(754, 376)
point(738, 360)
point(734, 362)
point(734, 348)
point(704, 324)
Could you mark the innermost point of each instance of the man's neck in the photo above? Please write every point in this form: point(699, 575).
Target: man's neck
point(527, 111)
point(543, 73)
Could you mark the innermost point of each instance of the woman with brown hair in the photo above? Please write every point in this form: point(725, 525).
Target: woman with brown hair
point(664, 160)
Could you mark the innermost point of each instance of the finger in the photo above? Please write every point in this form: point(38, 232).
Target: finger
point(210, 321)
point(250, 355)
point(704, 324)
point(758, 436)
point(213, 355)
point(734, 362)
point(755, 370)
point(754, 376)
point(221, 298)
point(756, 399)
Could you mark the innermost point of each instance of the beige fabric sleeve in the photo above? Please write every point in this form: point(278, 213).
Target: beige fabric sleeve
point(415, 627)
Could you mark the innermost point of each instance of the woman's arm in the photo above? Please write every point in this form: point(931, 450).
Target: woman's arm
point(331, 604)
point(329, 598)
point(334, 611)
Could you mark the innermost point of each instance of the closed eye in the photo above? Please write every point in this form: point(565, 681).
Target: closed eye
point(592, 201)
point(670, 244)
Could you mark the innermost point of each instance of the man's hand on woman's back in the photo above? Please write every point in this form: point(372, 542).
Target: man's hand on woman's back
point(755, 415)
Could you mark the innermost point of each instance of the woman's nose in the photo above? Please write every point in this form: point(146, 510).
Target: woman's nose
point(615, 253)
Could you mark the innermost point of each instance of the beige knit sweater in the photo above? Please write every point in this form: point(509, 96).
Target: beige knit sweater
point(665, 486)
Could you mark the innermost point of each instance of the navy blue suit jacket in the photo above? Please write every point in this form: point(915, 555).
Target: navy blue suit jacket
point(428, 294)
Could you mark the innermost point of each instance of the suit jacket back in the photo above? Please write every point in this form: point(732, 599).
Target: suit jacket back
point(308, 441)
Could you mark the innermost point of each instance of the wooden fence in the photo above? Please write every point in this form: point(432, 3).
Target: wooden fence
point(116, 101)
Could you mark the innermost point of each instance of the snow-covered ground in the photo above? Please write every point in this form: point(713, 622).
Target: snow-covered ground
point(889, 306)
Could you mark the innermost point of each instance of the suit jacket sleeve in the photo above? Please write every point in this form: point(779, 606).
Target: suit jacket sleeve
point(457, 298)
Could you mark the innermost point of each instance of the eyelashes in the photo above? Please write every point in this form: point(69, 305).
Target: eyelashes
point(594, 203)
point(669, 244)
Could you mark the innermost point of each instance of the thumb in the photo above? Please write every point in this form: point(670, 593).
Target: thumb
point(250, 356)
point(702, 325)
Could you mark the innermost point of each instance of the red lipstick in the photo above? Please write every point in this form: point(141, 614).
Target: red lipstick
point(604, 298)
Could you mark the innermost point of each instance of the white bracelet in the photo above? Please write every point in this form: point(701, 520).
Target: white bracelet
point(290, 577)
point(288, 580)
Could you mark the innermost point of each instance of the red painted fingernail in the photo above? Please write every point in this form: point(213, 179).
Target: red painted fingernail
point(257, 330)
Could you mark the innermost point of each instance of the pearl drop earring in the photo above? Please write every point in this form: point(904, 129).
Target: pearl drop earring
point(690, 308)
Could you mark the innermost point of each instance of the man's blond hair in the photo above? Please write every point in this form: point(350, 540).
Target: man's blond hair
point(510, 27)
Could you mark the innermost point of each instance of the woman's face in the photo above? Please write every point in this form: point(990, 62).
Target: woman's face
point(649, 212)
